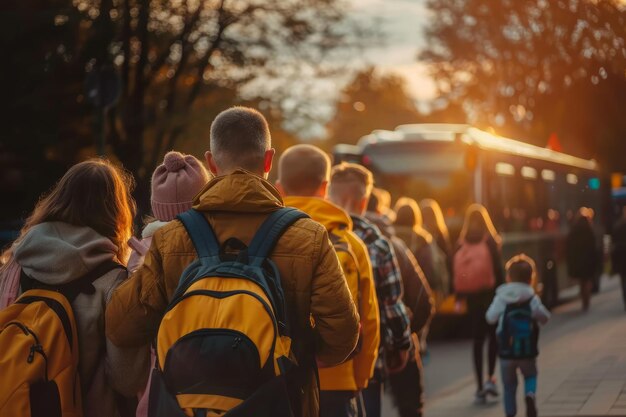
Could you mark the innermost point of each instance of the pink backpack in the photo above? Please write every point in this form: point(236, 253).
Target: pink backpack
point(473, 268)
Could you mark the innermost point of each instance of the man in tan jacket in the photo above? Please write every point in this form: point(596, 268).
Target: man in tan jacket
point(235, 203)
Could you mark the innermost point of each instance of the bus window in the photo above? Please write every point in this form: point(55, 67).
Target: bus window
point(502, 168)
point(502, 196)
point(553, 201)
point(421, 171)
point(572, 195)
point(548, 175)
point(518, 203)
point(534, 200)
point(529, 173)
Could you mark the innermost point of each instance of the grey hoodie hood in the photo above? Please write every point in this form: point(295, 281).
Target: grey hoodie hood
point(515, 292)
point(57, 253)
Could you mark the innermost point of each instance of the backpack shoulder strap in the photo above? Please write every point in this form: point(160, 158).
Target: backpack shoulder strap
point(270, 231)
point(201, 233)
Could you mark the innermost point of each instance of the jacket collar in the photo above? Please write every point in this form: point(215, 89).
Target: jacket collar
point(322, 211)
point(241, 191)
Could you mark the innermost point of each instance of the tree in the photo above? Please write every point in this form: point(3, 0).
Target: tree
point(179, 62)
point(531, 68)
point(369, 102)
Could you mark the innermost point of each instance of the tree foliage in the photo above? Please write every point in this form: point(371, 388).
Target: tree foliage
point(371, 101)
point(534, 67)
point(179, 62)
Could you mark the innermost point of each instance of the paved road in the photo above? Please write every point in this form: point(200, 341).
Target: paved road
point(582, 366)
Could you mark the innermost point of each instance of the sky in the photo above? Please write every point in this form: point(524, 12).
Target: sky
point(401, 24)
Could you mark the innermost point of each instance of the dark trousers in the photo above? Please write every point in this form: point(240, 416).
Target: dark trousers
point(338, 404)
point(407, 389)
point(477, 305)
point(372, 398)
point(509, 367)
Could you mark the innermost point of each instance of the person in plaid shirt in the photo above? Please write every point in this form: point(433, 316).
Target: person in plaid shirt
point(350, 187)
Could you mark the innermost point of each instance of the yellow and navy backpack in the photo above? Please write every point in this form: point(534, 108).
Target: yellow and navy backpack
point(39, 349)
point(223, 345)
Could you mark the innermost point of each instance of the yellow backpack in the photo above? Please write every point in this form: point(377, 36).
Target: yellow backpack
point(223, 345)
point(39, 349)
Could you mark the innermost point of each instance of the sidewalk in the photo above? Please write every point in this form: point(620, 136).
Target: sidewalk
point(582, 366)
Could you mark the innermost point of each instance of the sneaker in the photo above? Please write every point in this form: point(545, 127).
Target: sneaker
point(480, 398)
point(491, 388)
point(531, 407)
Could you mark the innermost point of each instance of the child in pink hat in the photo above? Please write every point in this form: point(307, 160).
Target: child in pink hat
point(175, 183)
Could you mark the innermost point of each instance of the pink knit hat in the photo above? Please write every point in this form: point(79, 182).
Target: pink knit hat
point(175, 183)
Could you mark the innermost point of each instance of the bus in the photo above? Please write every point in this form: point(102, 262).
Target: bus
point(532, 193)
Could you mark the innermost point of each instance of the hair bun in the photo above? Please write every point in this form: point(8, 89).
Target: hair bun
point(174, 161)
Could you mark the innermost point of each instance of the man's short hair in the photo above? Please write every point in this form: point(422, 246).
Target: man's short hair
point(350, 181)
point(302, 169)
point(239, 138)
point(521, 268)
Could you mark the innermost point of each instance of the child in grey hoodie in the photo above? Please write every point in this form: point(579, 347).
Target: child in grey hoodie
point(517, 310)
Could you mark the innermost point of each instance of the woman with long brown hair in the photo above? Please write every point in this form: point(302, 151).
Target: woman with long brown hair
point(82, 224)
point(409, 227)
point(435, 224)
point(477, 271)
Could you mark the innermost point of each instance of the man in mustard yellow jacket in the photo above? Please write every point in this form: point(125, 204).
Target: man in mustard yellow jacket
point(235, 203)
point(303, 176)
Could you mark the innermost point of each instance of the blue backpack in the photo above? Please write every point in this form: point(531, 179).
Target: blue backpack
point(519, 333)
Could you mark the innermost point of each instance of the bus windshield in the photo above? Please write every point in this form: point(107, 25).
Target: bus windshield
point(423, 171)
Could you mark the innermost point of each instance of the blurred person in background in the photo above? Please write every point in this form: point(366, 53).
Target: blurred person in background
point(384, 203)
point(435, 224)
point(379, 212)
point(350, 188)
point(477, 272)
point(407, 385)
point(618, 252)
point(409, 228)
point(518, 312)
point(583, 254)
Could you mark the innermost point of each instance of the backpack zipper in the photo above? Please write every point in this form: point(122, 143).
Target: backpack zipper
point(35, 348)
